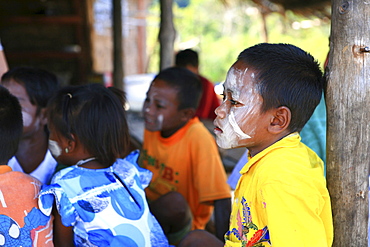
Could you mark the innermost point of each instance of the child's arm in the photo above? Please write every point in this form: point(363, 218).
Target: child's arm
point(222, 213)
point(63, 236)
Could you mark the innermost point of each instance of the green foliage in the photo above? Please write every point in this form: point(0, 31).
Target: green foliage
point(219, 33)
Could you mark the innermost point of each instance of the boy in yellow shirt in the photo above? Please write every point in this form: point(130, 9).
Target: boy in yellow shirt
point(281, 198)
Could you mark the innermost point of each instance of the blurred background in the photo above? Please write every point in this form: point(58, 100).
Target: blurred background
point(80, 40)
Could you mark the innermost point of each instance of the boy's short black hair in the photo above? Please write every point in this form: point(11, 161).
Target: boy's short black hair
point(188, 85)
point(286, 76)
point(96, 116)
point(187, 57)
point(11, 125)
point(40, 84)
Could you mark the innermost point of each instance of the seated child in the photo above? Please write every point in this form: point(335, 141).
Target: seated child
point(100, 198)
point(22, 223)
point(281, 198)
point(183, 157)
point(33, 87)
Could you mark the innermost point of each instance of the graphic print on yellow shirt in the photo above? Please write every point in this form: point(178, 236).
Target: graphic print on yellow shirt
point(247, 228)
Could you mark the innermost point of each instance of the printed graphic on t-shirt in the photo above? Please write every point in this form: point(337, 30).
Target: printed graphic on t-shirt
point(166, 178)
point(11, 234)
point(246, 227)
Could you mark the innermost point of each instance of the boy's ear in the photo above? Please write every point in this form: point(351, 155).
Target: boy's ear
point(42, 116)
point(281, 120)
point(188, 113)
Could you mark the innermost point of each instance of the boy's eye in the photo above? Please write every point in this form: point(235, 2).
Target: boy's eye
point(233, 102)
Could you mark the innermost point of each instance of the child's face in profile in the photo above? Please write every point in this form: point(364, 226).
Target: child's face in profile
point(33, 123)
point(160, 109)
point(239, 121)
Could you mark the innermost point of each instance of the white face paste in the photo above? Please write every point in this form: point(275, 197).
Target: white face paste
point(232, 119)
point(27, 119)
point(236, 127)
point(160, 122)
point(55, 150)
point(228, 138)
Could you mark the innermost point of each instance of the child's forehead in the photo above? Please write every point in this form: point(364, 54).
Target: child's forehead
point(163, 85)
point(164, 90)
point(240, 76)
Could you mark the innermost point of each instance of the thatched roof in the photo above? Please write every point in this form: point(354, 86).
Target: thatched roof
point(319, 8)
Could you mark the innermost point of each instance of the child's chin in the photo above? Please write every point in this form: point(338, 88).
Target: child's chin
point(226, 142)
point(151, 128)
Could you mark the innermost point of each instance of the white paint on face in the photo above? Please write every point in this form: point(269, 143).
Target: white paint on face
point(27, 119)
point(55, 149)
point(232, 134)
point(228, 138)
point(160, 121)
point(240, 109)
point(236, 127)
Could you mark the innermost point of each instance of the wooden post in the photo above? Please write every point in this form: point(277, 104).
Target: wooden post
point(348, 110)
point(167, 34)
point(118, 73)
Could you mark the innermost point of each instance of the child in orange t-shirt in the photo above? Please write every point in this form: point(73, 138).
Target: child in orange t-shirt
point(21, 221)
point(183, 157)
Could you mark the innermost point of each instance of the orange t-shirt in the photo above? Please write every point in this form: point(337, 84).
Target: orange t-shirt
point(22, 223)
point(187, 162)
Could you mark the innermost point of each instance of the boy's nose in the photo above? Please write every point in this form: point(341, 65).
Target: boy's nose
point(220, 111)
point(146, 108)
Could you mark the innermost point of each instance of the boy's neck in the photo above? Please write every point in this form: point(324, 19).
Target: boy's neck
point(167, 134)
point(274, 140)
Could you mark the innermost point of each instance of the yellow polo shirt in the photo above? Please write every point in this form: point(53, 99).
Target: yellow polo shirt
point(281, 199)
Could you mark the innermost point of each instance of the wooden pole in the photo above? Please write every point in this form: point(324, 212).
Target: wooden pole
point(348, 110)
point(167, 34)
point(118, 73)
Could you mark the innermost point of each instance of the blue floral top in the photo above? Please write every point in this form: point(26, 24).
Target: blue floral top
point(106, 207)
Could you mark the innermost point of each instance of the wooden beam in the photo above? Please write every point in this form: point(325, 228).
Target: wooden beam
point(118, 72)
point(348, 137)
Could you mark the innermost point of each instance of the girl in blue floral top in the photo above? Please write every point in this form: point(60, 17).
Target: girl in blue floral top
point(99, 199)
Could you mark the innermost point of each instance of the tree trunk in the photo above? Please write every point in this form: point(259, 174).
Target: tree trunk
point(167, 34)
point(348, 110)
point(118, 73)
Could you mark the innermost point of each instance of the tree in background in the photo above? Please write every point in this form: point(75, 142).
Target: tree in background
point(219, 32)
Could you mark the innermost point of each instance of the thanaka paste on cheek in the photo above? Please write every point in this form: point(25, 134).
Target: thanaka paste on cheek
point(160, 121)
point(236, 127)
point(54, 148)
point(228, 138)
point(242, 115)
point(27, 119)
